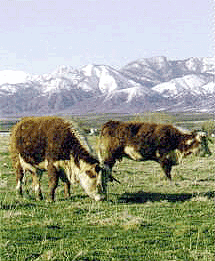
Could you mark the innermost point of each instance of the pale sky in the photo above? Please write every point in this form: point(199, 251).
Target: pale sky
point(37, 36)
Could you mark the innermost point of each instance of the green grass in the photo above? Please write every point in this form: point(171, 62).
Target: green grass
point(145, 217)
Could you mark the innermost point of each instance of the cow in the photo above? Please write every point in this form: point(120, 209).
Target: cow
point(50, 143)
point(143, 141)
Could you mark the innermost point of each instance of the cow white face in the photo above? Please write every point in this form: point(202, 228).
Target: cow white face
point(91, 181)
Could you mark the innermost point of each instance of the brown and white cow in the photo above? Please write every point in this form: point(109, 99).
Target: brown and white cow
point(142, 141)
point(51, 143)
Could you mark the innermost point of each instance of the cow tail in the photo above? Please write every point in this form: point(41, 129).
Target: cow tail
point(12, 147)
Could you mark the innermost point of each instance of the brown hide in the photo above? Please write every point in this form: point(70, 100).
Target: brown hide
point(40, 138)
point(148, 141)
point(51, 139)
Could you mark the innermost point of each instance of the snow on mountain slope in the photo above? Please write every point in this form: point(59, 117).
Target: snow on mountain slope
point(209, 88)
point(104, 79)
point(208, 65)
point(13, 77)
point(189, 84)
point(148, 72)
point(130, 94)
point(153, 71)
point(9, 79)
point(144, 84)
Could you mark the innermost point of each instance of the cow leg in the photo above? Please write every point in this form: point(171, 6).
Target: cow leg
point(53, 175)
point(113, 156)
point(166, 165)
point(19, 179)
point(67, 193)
point(67, 184)
point(36, 184)
point(110, 162)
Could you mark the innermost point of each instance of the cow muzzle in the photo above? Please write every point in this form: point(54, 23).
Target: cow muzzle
point(100, 197)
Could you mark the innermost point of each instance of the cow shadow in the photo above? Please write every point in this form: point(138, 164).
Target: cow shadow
point(143, 197)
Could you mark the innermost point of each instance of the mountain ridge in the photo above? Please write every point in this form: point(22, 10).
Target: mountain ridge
point(147, 84)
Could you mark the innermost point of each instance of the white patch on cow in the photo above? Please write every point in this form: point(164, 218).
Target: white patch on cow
point(90, 185)
point(25, 165)
point(132, 153)
point(77, 174)
point(189, 142)
point(199, 137)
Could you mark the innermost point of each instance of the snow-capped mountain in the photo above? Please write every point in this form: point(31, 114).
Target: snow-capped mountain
point(146, 84)
point(13, 77)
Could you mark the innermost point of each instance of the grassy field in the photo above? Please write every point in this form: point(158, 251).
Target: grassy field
point(145, 217)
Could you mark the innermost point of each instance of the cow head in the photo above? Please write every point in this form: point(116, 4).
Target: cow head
point(190, 143)
point(92, 180)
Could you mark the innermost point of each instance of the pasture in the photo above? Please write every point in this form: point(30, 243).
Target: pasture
point(145, 217)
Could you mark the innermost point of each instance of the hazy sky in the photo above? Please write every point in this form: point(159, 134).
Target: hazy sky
point(37, 36)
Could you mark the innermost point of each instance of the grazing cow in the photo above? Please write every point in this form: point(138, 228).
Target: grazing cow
point(51, 143)
point(142, 141)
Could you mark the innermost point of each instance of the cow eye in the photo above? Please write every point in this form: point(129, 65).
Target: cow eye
point(91, 174)
point(97, 168)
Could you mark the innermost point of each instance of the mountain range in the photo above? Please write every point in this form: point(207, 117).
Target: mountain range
point(147, 84)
